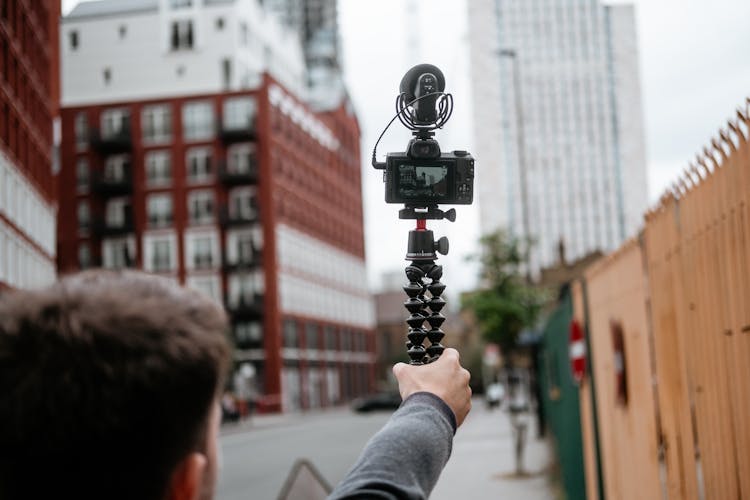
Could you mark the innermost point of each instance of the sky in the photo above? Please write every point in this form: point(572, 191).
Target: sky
point(694, 72)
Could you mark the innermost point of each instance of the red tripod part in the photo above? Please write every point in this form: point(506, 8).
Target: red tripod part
point(421, 224)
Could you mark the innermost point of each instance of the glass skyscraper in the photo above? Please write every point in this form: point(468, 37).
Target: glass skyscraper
point(558, 123)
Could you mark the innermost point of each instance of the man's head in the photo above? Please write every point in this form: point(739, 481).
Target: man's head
point(108, 389)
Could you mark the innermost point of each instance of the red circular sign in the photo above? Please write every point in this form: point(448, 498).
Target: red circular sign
point(577, 351)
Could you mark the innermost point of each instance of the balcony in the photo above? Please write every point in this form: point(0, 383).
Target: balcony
point(104, 228)
point(203, 261)
point(112, 186)
point(120, 141)
point(236, 177)
point(247, 263)
point(247, 307)
point(229, 219)
point(245, 344)
point(126, 260)
point(230, 134)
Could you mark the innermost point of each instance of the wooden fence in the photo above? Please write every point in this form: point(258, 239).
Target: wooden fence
point(668, 319)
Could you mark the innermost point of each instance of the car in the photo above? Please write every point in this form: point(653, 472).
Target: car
point(389, 400)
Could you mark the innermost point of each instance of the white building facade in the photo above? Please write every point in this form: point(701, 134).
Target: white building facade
point(558, 123)
point(126, 50)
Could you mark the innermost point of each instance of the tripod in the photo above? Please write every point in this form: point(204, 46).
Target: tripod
point(424, 276)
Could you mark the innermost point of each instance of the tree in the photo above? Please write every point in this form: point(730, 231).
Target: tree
point(507, 303)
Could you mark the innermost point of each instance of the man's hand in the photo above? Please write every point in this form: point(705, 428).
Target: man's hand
point(445, 378)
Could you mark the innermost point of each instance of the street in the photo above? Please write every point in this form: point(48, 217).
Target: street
point(258, 457)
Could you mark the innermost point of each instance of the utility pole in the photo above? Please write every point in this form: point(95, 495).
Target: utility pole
point(521, 146)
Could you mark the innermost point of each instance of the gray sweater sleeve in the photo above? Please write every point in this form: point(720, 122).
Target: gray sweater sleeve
point(405, 458)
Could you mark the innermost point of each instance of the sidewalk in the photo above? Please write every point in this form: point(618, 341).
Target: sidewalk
point(482, 464)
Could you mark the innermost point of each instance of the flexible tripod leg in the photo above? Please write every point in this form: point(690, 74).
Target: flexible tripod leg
point(424, 276)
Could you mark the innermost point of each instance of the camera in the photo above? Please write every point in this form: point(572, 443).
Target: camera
point(422, 176)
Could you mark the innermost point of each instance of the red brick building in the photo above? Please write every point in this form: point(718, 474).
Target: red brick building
point(249, 196)
point(29, 99)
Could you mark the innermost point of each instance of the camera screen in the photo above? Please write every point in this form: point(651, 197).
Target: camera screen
point(422, 182)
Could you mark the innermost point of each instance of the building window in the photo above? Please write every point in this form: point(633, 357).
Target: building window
point(226, 72)
point(159, 210)
point(117, 212)
point(82, 130)
point(246, 288)
point(219, 23)
point(84, 215)
point(203, 252)
point(241, 159)
point(311, 336)
point(182, 35)
point(207, 285)
point(118, 253)
point(346, 340)
point(243, 204)
point(107, 75)
point(178, 4)
point(361, 342)
point(198, 120)
point(330, 338)
point(244, 246)
point(201, 207)
point(161, 251)
point(291, 337)
point(115, 122)
point(117, 168)
point(82, 175)
point(123, 31)
point(248, 334)
point(198, 164)
point(84, 256)
point(239, 113)
point(158, 168)
point(245, 249)
point(73, 39)
point(156, 122)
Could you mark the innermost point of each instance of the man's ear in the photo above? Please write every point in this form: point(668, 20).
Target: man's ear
point(187, 477)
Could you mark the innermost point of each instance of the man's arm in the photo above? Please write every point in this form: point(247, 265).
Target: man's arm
point(405, 458)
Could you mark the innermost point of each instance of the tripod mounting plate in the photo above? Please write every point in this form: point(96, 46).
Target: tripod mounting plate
point(423, 213)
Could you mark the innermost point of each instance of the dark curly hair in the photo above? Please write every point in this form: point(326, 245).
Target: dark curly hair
point(107, 380)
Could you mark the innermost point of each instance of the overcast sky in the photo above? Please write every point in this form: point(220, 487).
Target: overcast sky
point(695, 70)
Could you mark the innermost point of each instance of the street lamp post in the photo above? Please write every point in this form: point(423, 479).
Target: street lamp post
point(521, 145)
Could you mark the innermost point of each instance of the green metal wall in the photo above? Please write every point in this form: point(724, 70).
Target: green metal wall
point(560, 399)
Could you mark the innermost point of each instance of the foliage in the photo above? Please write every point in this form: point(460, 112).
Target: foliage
point(507, 303)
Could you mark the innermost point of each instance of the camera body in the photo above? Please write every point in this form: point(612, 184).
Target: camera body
point(423, 176)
